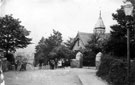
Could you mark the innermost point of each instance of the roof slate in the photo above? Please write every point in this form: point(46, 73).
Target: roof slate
point(85, 37)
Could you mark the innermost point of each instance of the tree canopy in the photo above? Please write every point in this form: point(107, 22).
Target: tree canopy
point(46, 45)
point(93, 43)
point(12, 34)
point(62, 51)
point(117, 44)
point(69, 43)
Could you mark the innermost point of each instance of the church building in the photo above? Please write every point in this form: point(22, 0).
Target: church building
point(82, 39)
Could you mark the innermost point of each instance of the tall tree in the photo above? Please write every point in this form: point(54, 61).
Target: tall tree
point(40, 54)
point(92, 48)
point(41, 45)
point(117, 44)
point(12, 34)
point(45, 46)
point(53, 40)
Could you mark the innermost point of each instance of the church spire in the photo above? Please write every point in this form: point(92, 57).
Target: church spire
point(100, 14)
point(99, 26)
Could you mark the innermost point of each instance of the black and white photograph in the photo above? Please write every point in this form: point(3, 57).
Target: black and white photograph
point(67, 42)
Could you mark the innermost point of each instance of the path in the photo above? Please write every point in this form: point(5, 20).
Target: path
point(66, 76)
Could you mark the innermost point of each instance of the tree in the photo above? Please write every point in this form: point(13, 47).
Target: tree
point(10, 58)
point(12, 34)
point(53, 41)
point(117, 44)
point(69, 43)
point(132, 1)
point(45, 46)
point(95, 44)
point(39, 55)
point(41, 45)
point(62, 52)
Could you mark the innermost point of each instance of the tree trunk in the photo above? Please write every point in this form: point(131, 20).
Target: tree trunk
point(6, 52)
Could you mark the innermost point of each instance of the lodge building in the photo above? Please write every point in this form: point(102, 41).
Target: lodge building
point(82, 39)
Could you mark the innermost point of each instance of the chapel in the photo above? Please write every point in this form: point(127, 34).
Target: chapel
point(82, 38)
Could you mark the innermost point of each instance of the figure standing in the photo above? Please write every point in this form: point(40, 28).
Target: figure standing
point(60, 63)
point(51, 62)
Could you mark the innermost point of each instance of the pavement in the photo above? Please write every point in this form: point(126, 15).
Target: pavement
point(67, 76)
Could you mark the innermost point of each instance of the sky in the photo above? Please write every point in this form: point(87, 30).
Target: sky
point(65, 16)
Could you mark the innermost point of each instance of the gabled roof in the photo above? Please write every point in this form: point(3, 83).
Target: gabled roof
point(84, 37)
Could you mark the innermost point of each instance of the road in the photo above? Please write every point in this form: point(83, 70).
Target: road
point(68, 76)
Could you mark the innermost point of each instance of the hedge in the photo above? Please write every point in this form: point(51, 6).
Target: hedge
point(114, 71)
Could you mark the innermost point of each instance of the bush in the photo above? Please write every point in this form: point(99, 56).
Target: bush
point(5, 65)
point(104, 67)
point(10, 58)
point(132, 76)
point(117, 73)
point(88, 61)
point(89, 58)
point(112, 70)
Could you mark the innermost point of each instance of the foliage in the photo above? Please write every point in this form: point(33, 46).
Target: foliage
point(96, 42)
point(89, 58)
point(54, 40)
point(39, 55)
point(5, 65)
point(69, 43)
point(41, 45)
point(12, 34)
point(117, 44)
point(113, 70)
point(21, 58)
point(63, 52)
point(132, 71)
point(95, 45)
point(45, 46)
point(132, 1)
point(10, 57)
point(106, 64)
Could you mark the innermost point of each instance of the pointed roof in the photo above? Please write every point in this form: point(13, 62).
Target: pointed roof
point(84, 37)
point(100, 23)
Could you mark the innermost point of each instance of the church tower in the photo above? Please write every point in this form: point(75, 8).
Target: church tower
point(99, 26)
